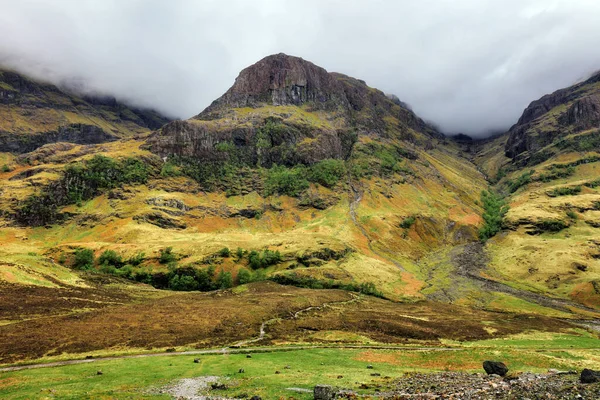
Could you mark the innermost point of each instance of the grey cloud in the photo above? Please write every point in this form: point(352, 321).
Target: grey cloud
point(467, 65)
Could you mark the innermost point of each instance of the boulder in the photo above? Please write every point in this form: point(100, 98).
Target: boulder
point(324, 392)
point(589, 376)
point(495, 367)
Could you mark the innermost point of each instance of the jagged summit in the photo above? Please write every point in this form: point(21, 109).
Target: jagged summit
point(280, 79)
point(316, 115)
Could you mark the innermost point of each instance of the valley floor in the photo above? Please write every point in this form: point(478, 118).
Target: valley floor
point(293, 373)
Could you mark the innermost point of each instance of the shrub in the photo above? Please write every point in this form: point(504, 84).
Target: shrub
point(522, 180)
point(286, 181)
point(224, 252)
point(169, 170)
point(239, 253)
point(183, 283)
point(110, 257)
point(244, 276)
point(84, 259)
point(137, 259)
point(224, 280)
point(5, 168)
point(551, 225)
point(593, 184)
point(564, 191)
point(265, 259)
point(407, 222)
point(571, 214)
point(494, 211)
point(167, 256)
point(327, 172)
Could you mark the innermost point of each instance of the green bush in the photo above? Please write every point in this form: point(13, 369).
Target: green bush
point(286, 181)
point(224, 252)
point(593, 184)
point(571, 214)
point(137, 259)
point(224, 280)
point(327, 172)
point(110, 257)
point(265, 259)
point(5, 168)
point(183, 283)
point(84, 259)
point(244, 276)
point(239, 253)
point(551, 225)
point(167, 256)
point(169, 170)
point(521, 181)
point(494, 211)
point(407, 222)
point(564, 191)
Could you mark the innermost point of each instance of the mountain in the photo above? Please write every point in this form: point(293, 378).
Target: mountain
point(569, 117)
point(34, 113)
point(313, 115)
point(292, 189)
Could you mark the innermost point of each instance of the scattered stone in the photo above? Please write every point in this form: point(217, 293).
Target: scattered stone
point(277, 372)
point(324, 392)
point(375, 374)
point(99, 372)
point(340, 376)
point(287, 367)
point(218, 386)
point(196, 361)
point(89, 357)
point(241, 371)
point(255, 398)
point(170, 350)
point(589, 376)
point(248, 356)
point(495, 367)
point(369, 366)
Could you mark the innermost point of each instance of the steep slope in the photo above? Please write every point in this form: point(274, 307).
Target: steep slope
point(566, 119)
point(550, 176)
point(35, 113)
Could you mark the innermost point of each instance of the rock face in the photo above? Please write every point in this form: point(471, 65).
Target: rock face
point(34, 113)
point(281, 80)
point(495, 367)
point(555, 115)
point(285, 110)
point(324, 392)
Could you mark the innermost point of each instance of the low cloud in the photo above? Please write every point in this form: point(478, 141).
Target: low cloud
point(467, 65)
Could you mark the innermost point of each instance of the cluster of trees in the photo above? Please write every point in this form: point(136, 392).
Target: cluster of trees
point(79, 182)
point(495, 209)
point(297, 280)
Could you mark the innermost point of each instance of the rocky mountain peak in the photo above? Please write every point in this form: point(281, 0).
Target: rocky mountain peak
point(281, 79)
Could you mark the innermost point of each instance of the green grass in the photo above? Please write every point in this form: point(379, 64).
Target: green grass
point(135, 378)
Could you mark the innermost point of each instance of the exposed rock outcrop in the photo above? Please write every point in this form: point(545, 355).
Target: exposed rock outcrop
point(285, 110)
point(569, 110)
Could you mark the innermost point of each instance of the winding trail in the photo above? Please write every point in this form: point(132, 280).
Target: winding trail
point(262, 332)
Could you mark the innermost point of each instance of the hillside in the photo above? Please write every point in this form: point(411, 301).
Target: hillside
point(294, 188)
point(34, 113)
point(547, 167)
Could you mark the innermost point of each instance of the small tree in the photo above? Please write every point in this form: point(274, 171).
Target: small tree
point(84, 259)
point(111, 258)
point(224, 280)
point(244, 276)
point(167, 256)
point(224, 252)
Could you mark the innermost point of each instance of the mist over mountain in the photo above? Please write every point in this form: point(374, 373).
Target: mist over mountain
point(468, 66)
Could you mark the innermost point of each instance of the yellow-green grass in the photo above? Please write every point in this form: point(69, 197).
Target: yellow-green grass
point(266, 375)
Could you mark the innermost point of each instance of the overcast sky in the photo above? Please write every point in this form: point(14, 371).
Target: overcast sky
point(467, 65)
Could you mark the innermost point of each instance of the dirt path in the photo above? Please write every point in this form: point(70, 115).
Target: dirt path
point(262, 331)
point(355, 196)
